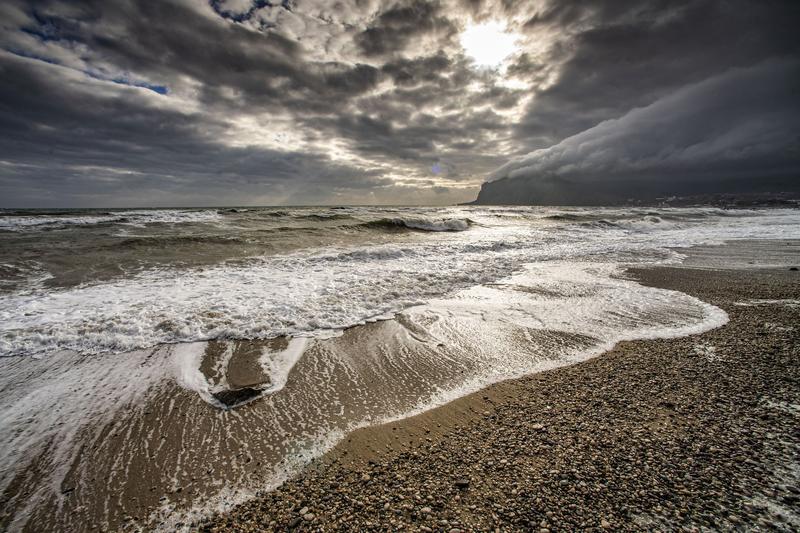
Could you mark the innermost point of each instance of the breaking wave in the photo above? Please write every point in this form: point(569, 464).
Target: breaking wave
point(423, 224)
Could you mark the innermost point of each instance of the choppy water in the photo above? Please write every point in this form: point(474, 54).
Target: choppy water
point(99, 281)
point(266, 298)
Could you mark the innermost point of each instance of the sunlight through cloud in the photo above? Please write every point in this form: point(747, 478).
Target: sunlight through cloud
point(488, 44)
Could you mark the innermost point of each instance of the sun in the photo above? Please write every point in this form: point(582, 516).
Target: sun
point(488, 44)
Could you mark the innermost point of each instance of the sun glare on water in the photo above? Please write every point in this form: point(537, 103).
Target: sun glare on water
point(488, 43)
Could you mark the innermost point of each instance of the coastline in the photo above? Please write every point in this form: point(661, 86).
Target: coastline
point(688, 432)
point(153, 452)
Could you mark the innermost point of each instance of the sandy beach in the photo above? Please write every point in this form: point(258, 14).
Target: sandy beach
point(693, 433)
point(517, 404)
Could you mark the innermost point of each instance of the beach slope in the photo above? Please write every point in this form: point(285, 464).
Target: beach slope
point(695, 432)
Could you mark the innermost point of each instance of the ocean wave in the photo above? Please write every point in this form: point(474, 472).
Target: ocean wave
point(298, 215)
point(602, 223)
point(350, 223)
point(323, 216)
point(50, 221)
point(674, 214)
point(423, 224)
point(565, 216)
point(176, 240)
point(37, 222)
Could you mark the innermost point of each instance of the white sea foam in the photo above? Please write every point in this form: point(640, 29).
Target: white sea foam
point(186, 358)
point(787, 302)
point(58, 403)
point(433, 224)
point(589, 300)
point(277, 365)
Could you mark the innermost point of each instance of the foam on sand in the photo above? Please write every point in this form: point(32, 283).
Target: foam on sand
point(186, 358)
point(210, 369)
point(53, 407)
point(548, 315)
point(278, 364)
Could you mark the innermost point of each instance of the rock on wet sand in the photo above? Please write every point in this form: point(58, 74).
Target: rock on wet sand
point(233, 397)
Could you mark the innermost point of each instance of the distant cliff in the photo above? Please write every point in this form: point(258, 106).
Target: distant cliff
point(528, 191)
point(522, 191)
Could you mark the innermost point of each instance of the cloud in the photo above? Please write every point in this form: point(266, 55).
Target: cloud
point(607, 57)
point(306, 100)
point(742, 124)
point(269, 77)
point(396, 27)
point(124, 150)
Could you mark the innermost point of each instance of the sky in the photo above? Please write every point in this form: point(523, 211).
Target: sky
point(305, 102)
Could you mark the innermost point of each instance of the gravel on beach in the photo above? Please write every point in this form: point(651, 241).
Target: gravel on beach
point(695, 433)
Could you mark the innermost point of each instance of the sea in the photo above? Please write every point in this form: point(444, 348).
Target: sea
point(272, 332)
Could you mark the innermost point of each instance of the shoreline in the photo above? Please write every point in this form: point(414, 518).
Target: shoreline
point(497, 458)
point(188, 457)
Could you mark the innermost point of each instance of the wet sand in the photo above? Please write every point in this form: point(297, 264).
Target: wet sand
point(689, 433)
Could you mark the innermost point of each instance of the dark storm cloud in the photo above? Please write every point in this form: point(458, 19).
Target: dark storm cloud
point(394, 28)
point(624, 54)
point(400, 128)
point(238, 70)
point(169, 40)
point(742, 124)
point(312, 101)
point(410, 72)
point(220, 7)
point(56, 148)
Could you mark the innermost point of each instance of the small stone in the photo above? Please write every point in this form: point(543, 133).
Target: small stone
point(303, 511)
point(233, 398)
point(308, 517)
point(365, 477)
point(605, 524)
point(462, 484)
